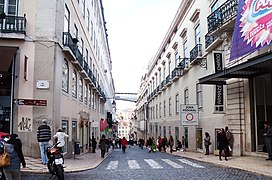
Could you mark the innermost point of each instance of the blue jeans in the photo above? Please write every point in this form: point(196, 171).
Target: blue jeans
point(43, 147)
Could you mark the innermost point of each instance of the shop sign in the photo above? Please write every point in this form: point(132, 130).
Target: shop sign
point(189, 115)
point(30, 102)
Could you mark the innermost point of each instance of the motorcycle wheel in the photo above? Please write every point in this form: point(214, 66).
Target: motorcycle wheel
point(60, 171)
point(50, 167)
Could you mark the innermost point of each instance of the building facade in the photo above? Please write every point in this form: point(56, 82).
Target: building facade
point(55, 65)
point(192, 86)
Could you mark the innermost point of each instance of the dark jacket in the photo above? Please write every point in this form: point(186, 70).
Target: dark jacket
point(14, 148)
point(103, 143)
point(222, 141)
point(43, 133)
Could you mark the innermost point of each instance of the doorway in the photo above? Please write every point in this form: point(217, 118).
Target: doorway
point(262, 107)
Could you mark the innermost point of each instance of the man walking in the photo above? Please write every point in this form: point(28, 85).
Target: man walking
point(44, 136)
point(268, 139)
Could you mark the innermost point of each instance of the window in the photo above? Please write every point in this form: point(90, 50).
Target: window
point(170, 107)
point(66, 19)
point(177, 104)
point(169, 66)
point(90, 97)
point(199, 95)
point(160, 76)
point(186, 96)
point(160, 109)
point(88, 19)
point(164, 108)
point(185, 49)
point(86, 94)
point(75, 31)
point(65, 76)
point(197, 34)
point(80, 93)
point(157, 111)
point(83, 8)
point(177, 58)
point(74, 84)
point(9, 7)
point(164, 71)
point(215, 6)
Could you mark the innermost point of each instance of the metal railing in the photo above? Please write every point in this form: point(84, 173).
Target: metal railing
point(209, 40)
point(223, 14)
point(196, 52)
point(13, 24)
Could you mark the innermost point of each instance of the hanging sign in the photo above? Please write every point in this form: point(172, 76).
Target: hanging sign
point(189, 115)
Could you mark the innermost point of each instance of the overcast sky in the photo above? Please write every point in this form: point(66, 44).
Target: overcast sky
point(136, 29)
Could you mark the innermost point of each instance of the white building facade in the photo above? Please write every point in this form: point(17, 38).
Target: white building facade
point(191, 69)
point(56, 66)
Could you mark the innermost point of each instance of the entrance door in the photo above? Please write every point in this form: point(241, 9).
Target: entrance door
point(263, 106)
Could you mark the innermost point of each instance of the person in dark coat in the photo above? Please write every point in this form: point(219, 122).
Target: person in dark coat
point(103, 145)
point(94, 143)
point(268, 139)
point(207, 143)
point(222, 143)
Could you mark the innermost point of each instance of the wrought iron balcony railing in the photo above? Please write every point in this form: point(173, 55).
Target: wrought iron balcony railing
point(70, 42)
point(196, 52)
point(209, 40)
point(223, 14)
point(13, 24)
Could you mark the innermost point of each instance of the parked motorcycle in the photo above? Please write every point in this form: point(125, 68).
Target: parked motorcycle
point(55, 162)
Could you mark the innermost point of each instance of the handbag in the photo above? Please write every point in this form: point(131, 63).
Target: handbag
point(4, 159)
point(229, 148)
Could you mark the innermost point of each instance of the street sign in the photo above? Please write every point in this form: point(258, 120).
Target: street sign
point(189, 115)
point(30, 102)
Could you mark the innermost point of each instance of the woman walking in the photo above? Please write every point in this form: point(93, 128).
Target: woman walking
point(171, 143)
point(207, 143)
point(103, 145)
point(222, 143)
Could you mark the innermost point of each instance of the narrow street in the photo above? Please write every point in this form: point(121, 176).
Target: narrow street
point(139, 164)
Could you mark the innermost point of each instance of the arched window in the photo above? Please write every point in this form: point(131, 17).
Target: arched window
point(65, 76)
point(74, 84)
point(86, 94)
point(80, 92)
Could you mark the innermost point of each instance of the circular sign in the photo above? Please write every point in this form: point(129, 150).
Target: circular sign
point(189, 117)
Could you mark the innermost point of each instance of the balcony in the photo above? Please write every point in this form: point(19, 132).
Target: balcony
point(169, 80)
point(212, 42)
point(70, 45)
point(223, 18)
point(13, 24)
point(163, 85)
point(195, 53)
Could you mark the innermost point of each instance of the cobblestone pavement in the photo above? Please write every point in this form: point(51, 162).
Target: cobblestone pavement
point(252, 163)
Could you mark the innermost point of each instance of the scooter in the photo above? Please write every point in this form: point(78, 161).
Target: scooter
point(55, 162)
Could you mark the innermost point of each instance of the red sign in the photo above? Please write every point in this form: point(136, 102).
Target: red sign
point(30, 102)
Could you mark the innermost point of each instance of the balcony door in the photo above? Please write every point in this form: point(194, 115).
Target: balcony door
point(10, 8)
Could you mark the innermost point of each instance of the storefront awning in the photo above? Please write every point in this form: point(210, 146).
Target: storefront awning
point(256, 66)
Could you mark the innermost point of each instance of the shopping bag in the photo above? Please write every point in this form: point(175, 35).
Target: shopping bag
point(229, 148)
point(4, 159)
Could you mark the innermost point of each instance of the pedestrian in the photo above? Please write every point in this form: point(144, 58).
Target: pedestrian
point(222, 143)
point(268, 139)
point(230, 139)
point(149, 144)
point(164, 143)
point(2, 145)
point(103, 145)
point(124, 144)
point(207, 143)
point(43, 137)
point(171, 143)
point(179, 145)
point(183, 142)
point(60, 138)
point(14, 148)
point(159, 143)
point(94, 143)
point(153, 146)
